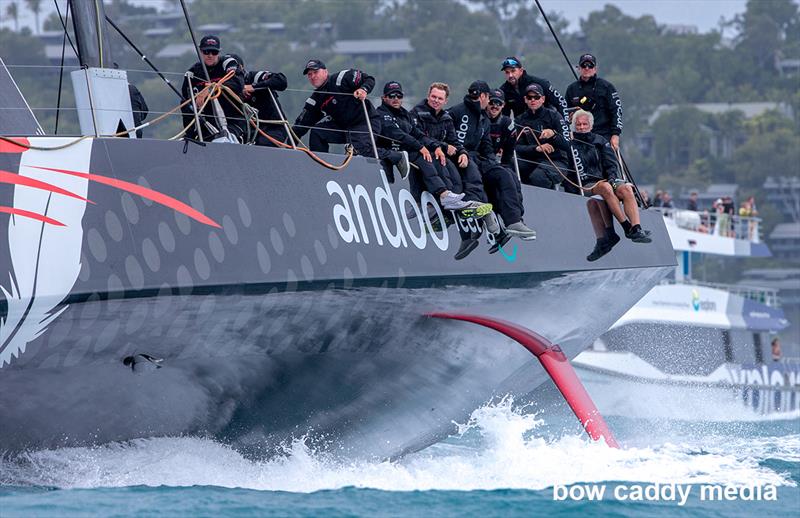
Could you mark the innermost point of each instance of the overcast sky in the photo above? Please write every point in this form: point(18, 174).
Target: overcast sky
point(705, 14)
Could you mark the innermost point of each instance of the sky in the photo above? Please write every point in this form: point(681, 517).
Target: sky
point(705, 14)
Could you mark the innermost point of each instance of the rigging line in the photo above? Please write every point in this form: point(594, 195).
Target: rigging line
point(555, 37)
point(61, 67)
point(66, 32)
point(194, 40)
point(142, 55)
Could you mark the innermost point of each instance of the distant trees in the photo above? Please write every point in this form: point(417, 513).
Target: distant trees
point(12, 12)
point(35, 6)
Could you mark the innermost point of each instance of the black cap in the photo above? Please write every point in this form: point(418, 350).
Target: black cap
point(498, 95)
point(512, 62)
point(587, 58)
point(209, 42)
point(479, 87)
point(534, 88)
point(313, 64)
point(392, 87)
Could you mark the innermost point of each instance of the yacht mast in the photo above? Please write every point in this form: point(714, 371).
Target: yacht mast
point(89, 22)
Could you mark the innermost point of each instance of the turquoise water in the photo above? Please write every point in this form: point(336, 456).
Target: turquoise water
point(504, 462)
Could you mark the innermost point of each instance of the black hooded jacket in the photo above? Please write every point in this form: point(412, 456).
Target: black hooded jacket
point(335, 99)
point(602, 99)
point(594, 158)
point(543, 118)
point(515, 95)
point(503, 134)
point(398, 125)
point(262, 80)
point(438, 127)
point(472, 128)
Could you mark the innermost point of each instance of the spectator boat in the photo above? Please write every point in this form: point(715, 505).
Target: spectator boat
point(694, 350)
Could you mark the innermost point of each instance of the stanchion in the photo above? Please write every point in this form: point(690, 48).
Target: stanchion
point(369, 127)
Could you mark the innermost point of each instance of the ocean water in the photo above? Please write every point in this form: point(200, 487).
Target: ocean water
point(507, 460)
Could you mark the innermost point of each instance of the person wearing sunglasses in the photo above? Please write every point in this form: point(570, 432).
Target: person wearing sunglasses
point(400, 137)
point(595, 94)
point(217, 65)
point(542, 149)
point(518, 80)
point(502, 131)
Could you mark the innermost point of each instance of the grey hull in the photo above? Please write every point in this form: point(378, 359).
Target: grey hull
point(293, 312)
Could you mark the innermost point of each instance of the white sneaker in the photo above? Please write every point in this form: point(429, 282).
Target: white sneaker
point(451, 201)
point(403, 166)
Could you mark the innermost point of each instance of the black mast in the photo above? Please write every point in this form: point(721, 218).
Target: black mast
point(89, 21)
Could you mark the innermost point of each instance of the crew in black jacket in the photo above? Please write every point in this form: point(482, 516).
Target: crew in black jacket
point(437, 125)
point(399, 134)
point(334, 112)
point(502, 131)
point(138, 106)
point(472, 132)
point(217, 66)
point(594, 94)
point(541, 142)
point(596, 164)
point(440, 138)
point(258, 84)
point(517, 82)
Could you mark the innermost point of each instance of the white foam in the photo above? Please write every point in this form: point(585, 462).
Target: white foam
point(498, 449)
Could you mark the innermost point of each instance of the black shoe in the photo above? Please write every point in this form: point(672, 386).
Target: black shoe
point(601, 248)
point(467, 246)
point(500, 239)
point(637, 235)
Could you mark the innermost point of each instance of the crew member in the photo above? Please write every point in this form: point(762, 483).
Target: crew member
point(472, 132)
point(400, 135)
point(261, 89)
point(541, 147)
point(440, 138)
point(502, 131)
point(595, 94)
point(517, 83)
point(334, 113)
point(217, 66)
point(596, 164)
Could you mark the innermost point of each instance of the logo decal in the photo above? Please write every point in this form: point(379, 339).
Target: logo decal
point(45, 236)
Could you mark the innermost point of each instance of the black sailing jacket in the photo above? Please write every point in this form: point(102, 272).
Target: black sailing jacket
point(335, 99)
point(603, 101)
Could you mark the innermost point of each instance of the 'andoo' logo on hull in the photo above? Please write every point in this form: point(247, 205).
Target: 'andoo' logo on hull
point(388, 217)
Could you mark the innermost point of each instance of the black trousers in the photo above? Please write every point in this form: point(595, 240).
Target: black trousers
point(429, 176)
point(541, 175)
point(504, 191)
point(472, 182)
point(328, 131)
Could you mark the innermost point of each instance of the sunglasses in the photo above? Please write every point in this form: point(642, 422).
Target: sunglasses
point(395, 96)
point(587, 65)
point(510, 63)
point(533, 97)
point(210, 52)
point(495, 103)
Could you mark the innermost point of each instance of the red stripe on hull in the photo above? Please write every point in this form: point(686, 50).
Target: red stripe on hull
point(16, 179)
point(9, 147)
point(31, 215)
point(161, 199)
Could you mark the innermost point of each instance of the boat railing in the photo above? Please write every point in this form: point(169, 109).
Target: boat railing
point(766, 296)
point(716, 223)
